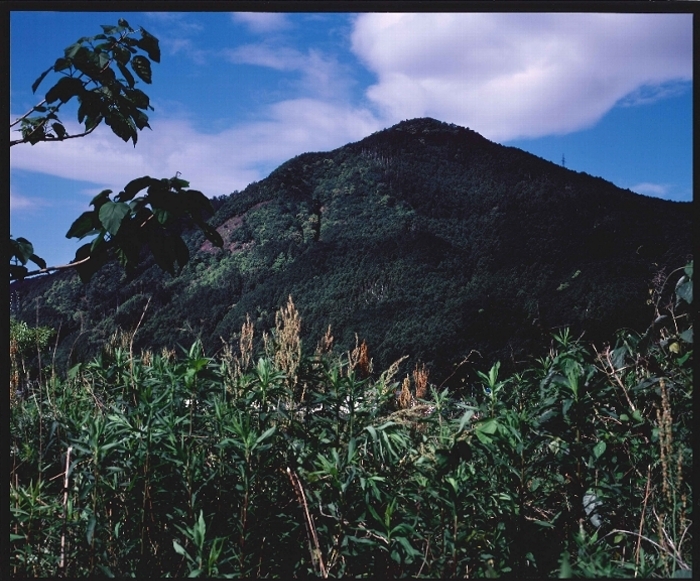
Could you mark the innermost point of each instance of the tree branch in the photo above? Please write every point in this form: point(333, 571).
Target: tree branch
point(50, 269)
point(25, 139)
point(27, 114)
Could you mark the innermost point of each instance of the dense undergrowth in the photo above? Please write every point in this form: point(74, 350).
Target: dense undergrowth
point(274, 460)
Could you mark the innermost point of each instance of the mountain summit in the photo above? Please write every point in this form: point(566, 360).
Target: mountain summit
point(423, 239)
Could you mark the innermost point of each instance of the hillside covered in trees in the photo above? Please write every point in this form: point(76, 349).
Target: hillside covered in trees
point(424, 239)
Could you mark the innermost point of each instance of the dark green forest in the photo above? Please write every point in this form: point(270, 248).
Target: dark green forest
point(424, 239)
point(423, 355)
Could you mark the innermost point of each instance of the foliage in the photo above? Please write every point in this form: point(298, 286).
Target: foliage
point(125, 225)
point(275, 460)
point(87, 72)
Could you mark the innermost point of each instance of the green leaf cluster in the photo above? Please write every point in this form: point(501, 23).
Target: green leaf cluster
point(94, 70)
point(129, 222)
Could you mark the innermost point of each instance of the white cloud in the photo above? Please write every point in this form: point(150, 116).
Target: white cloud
point(265, 55)
point(321, 74)
point(261, 22)
point(213, 163)
point(518, 75)
point(19, 203)
point(185, 46)
point(649, 189)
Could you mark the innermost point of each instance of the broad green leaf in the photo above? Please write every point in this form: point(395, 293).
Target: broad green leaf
point(487, 426)
point(59, 129)
point(565, 567)
point(140, 119)
point(61, 64)
point(22, 249)
point(112, 214)
point(73, 49)
point(142, 67)
point(18, 272)
point(687, 335)
point(161, 215)
point(128, 77)
point(122, 127)
point(100, 198)
point(212, 235)
point(40, 262)
point(82, 226)
point(109, 28)
point(265, 435)
point(182, 253)
point(483, 438)
point(90, 532)
point(36, 83)
point(64, 90)
point(149, 44)
point(179, 549)
point(684, 289)
point(135, 186)
point(138, 98)
point(163, 252)
point(599, 449)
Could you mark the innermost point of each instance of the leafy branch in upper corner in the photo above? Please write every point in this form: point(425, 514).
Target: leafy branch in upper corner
point(124, 225)
point(87, 73)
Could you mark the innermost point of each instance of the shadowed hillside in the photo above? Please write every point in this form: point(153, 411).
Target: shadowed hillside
point(424, 239)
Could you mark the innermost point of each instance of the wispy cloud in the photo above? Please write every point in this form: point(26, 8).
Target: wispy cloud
point(321, 75)
point(648, 189)
point(214, 163)
point(261, 22)
point(20, 203)
point(648, 94)
point(518, 75)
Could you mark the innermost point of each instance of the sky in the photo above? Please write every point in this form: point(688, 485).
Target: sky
point(237, 94)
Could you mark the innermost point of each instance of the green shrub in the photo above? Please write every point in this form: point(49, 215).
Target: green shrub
point(275, 461)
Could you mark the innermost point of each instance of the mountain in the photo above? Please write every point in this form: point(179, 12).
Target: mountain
point(424, 239)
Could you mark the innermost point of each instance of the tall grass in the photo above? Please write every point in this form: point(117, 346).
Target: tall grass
point(276, 461)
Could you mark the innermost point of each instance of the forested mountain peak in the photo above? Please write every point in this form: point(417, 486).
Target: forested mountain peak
point(424, 239)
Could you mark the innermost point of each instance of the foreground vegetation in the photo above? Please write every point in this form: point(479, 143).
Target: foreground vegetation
point(280, 460)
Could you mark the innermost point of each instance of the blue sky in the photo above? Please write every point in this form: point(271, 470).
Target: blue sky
point(237, 94)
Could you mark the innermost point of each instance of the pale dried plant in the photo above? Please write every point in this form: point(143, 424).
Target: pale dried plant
point(236, 365)
point(325, 345)
point(118, 340)
point(268, 345)
point(665, 423)
point(15, 362)
point(246, 342)
point(167, 354)
point(420, 381)
point(359, 360)
point(389, 374)
point(230, 365)
point(405, 399)
point(288, 341)
point(146, 357)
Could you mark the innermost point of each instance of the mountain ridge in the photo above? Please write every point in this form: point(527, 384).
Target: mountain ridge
point(425, 239)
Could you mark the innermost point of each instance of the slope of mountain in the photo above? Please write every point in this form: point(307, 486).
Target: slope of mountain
point(423, 239)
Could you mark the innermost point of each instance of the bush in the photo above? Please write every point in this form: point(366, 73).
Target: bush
point(275, 460)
